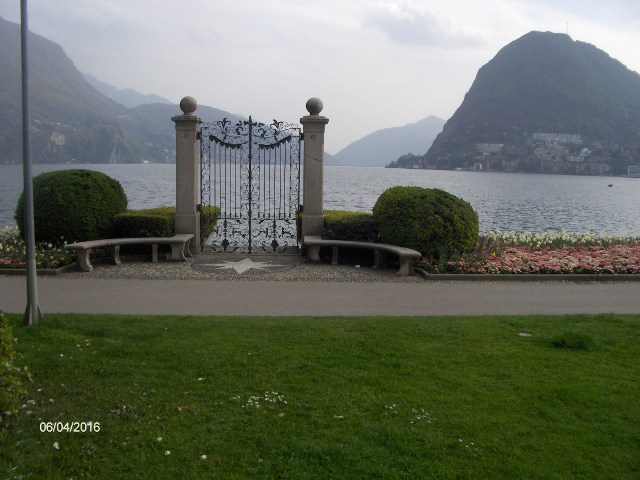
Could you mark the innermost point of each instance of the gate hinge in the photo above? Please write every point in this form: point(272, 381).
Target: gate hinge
point(301, 135)
point(199, 135)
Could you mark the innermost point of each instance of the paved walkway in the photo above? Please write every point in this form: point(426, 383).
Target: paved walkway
point(280, 285)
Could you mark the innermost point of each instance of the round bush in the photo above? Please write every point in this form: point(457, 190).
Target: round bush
point(429, 220)
point(76, 205)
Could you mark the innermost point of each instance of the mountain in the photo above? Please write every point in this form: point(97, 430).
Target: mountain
point(327, 159)
point(127, 96)
point(545, 103)
point(72, 122)
point(153, 123)
point(61, 100)
point(383, 146)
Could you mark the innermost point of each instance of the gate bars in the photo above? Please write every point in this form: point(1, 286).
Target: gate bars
point(252, 172)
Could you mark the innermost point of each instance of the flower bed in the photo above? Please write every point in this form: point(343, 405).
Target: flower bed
point(518, 253)
point(13, 252)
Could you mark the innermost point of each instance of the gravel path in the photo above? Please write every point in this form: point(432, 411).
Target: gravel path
point(242, 267)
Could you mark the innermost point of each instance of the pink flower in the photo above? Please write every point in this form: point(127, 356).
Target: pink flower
point(616, 258)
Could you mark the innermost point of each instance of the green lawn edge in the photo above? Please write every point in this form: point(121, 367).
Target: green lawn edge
point(333, 397)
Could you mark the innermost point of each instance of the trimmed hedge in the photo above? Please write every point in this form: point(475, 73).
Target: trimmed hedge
point(159, 222)
point(73, 205)
point(11, 378)
point(434, 222)
point(152, 222)
point(355, 226)
point(209, 216)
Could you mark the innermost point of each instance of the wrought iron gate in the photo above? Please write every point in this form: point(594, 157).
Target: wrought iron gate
point(251, 171)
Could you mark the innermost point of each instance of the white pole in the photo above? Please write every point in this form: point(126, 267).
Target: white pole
point(32, 314)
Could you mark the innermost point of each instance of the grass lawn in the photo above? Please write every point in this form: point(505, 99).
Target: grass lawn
point(343, 398)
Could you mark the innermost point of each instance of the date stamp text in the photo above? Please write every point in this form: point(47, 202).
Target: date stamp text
point(70, 427)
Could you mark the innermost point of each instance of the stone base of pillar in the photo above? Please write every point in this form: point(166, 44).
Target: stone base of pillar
point(189, 223)
point(312, 224)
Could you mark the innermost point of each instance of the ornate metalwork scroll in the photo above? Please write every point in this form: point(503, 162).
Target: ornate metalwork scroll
point(252, 172)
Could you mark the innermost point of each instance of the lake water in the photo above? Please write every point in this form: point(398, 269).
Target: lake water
point(504, 201)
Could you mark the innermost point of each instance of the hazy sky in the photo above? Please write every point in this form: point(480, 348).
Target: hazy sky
point(374, 63)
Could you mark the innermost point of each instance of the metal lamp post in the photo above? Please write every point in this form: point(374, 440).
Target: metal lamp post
point(32, 314)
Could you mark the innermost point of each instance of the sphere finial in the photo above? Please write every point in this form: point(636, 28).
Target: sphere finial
point(314, 106)
point(188, 105)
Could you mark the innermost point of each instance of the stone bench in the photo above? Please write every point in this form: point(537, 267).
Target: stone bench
point(179, 248)
point(407, 256)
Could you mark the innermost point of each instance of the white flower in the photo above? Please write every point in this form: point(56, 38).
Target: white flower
point(55, 446)
point(167, 453)
point(203, 457)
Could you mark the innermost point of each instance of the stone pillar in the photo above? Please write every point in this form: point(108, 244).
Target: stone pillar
point(188, 172)
point(313, 126)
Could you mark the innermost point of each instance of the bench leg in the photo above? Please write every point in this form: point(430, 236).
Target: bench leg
point(186, 250)
point(313, 253)
point(83, 261)
point(334, 256)
point(177, 252)
point(154, 253)
point(406, 266)
point(380, 259)
point(115, 254)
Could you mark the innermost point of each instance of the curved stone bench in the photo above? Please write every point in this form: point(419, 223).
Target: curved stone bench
point(179, 248)
point(407, 256)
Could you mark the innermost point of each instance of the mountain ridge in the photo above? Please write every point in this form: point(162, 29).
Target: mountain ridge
point(545, 83)
point(59, 96)
point(381, 147)
point(72, 122)
point(127, 97)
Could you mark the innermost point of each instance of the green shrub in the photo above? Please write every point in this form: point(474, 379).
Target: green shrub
point(429, 220)
point(356, 226)
point(11, 378)
point(152, 222)
point(159, 222)
point(209, 215)
point(353, 226)
point(74, 205)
